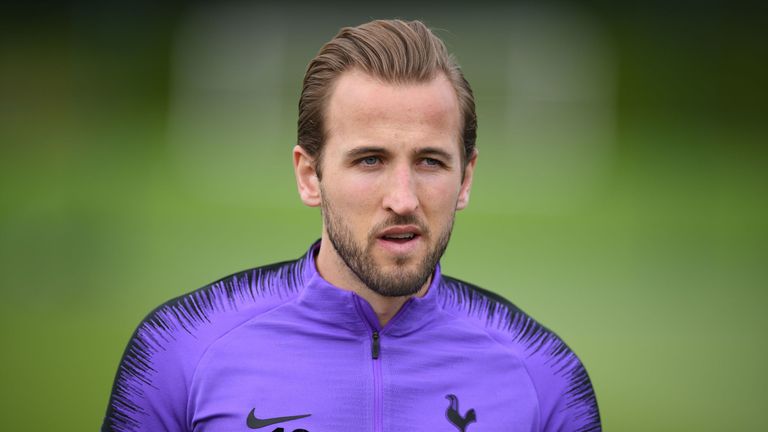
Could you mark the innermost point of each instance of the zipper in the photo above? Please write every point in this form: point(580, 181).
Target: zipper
point(368, 316)
point(378, 388)
point(375, 346)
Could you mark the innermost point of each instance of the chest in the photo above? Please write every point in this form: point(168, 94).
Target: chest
point(355, 382)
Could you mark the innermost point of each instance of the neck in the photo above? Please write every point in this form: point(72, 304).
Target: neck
point(387, 307)
point(334, 270)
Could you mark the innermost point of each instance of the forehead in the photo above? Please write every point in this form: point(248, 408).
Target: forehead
point(363, 105)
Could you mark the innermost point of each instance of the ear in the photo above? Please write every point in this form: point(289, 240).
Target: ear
point(306, 177)
point(466, 185)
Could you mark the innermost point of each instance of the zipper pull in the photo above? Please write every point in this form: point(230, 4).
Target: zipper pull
point(375, 346)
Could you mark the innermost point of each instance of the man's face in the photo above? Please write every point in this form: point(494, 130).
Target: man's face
point(391, 179)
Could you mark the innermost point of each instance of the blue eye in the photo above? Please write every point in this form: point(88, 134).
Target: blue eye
point(369, 161)
point(432, 162)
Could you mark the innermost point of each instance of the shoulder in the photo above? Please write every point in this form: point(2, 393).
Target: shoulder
point(221, 305)
point(161, 356)
point(566, 397)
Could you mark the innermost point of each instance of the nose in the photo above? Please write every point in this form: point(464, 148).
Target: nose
point(400, 196)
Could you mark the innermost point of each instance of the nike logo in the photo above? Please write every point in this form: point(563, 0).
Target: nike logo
point(254, 422)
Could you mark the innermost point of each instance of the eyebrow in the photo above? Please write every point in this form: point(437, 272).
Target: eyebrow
point(360, 151)
point(366, 150)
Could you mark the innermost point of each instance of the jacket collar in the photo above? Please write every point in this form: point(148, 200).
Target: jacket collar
point(336, 306)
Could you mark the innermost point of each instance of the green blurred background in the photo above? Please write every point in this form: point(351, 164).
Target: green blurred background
point(620, 196)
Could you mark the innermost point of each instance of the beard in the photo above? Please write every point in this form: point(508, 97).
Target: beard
point(401, 281)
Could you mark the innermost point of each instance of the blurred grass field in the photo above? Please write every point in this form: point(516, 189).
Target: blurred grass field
point(628, 213)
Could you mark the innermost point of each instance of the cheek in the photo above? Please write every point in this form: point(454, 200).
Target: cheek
point(352, 198)
point(439, 205)
point(440, 196)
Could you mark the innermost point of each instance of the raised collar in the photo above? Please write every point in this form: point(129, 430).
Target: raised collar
point(336, 306)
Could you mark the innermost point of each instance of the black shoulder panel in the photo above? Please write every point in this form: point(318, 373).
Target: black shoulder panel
point(499, 313)
point(187, 313)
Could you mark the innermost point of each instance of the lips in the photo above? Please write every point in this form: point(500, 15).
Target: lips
point(400, 233)
point(400, 238)
point(395, 237)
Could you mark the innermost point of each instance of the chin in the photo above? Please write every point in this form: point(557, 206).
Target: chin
point(399, 261)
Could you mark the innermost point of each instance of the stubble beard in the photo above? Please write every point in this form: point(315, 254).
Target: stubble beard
point(359, 259)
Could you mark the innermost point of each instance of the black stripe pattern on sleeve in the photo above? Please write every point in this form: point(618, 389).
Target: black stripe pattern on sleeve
point(502, 314)
point(187, 313)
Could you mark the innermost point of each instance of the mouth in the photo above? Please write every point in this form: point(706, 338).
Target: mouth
point(399, 238)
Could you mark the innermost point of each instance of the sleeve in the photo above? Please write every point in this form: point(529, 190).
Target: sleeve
point(150, 390)
point(152, 386)
point(567, 401)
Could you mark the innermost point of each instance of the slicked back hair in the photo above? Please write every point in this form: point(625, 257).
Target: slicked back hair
point(394, 51)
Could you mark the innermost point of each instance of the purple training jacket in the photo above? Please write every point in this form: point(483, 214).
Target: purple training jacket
point(278, 349)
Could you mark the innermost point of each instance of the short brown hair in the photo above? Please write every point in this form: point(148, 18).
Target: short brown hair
point(394, 51)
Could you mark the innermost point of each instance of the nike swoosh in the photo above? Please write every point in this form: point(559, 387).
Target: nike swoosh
point(256, 423)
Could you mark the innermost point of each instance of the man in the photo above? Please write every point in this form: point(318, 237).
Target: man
point(363, 332)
